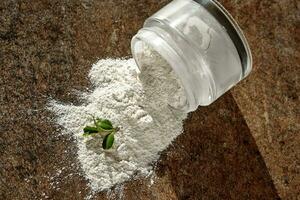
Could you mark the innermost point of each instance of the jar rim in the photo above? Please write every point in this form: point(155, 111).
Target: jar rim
point(233, 30)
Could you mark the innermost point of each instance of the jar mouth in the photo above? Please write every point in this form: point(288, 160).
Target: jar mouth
point(233, 30)
point(147, 37)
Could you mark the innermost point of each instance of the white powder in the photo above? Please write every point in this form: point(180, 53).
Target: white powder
point(139, 105)
point(160, 82)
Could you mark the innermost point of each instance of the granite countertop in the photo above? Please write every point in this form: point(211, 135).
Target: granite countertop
point(244, 146)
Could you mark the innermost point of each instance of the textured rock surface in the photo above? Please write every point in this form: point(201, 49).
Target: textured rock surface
point(269, 98)
point(46, 50)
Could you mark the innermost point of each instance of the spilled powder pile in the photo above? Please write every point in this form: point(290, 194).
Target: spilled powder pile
point(138, 103)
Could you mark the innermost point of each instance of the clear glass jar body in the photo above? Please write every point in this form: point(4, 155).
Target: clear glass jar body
point(203, 45)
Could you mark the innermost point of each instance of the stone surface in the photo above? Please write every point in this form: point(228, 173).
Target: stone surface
point(269, 98)
point(47, 48)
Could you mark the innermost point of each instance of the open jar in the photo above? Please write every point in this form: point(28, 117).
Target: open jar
point(202, 43)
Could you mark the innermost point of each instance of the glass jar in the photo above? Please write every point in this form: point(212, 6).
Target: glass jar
point(202, 43)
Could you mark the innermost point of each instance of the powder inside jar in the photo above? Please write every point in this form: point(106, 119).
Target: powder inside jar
point(159, 80)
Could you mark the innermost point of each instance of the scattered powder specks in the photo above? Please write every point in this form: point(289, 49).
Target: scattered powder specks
point(133, 102)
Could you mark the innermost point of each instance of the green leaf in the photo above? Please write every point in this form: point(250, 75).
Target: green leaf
point(88, 130)
point(104, 124)
point(108, 141)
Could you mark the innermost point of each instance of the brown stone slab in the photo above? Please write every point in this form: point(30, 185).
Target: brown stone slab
point(269, 97)
point(46, 50)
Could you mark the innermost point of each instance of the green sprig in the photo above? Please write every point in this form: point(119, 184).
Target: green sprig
point(103, 127)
